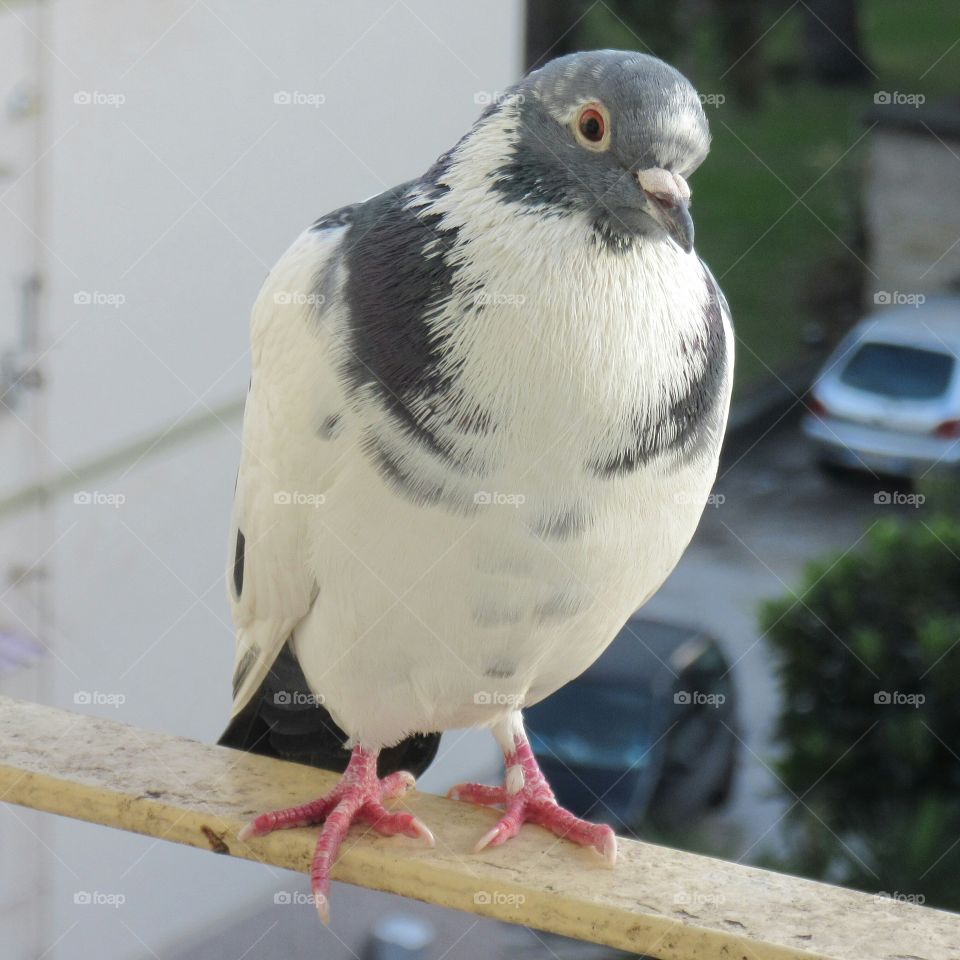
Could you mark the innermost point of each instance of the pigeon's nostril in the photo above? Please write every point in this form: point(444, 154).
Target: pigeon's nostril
point(666, 200)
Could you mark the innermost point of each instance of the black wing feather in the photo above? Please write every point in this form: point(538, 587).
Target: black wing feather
point(282, 721)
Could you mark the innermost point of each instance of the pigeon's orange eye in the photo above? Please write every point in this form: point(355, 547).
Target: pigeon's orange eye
point(592, 127)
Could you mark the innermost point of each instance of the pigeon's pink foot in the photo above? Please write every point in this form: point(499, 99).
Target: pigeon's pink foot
point(357, 797)
point(528, 799)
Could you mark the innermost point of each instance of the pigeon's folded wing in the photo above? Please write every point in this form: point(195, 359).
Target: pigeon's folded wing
point(287, 462)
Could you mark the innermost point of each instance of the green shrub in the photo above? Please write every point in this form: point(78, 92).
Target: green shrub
point(941, 492)
point(870, 726)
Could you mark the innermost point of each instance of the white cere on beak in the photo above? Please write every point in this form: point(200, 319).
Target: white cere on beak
point(664, 185)
point(669, 198)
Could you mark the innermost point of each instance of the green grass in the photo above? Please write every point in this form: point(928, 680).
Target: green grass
point(764, 245)
point(766, 258)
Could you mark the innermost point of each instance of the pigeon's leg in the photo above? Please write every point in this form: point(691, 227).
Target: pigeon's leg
point(357, 797)
point(528, 799)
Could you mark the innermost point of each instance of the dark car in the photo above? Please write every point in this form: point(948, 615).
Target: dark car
point(648, 733)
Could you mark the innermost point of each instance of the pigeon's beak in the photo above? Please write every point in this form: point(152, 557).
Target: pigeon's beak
point(668, 198)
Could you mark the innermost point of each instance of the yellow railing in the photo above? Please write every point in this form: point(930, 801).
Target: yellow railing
point(657, 901)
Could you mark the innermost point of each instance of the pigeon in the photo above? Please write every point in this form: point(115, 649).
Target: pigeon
point(484, 417)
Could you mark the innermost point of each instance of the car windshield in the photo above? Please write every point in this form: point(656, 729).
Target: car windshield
point(906, 373)
point(586, 724)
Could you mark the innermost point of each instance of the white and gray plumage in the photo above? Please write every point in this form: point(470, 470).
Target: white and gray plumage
point(485, 413)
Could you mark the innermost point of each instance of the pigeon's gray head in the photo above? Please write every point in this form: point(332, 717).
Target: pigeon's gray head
point(610, 133)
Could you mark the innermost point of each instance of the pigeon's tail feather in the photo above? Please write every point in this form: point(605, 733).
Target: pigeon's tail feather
point(284, 719)
point(257, 646)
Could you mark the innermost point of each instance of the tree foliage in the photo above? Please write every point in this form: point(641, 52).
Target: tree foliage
point(870, 724)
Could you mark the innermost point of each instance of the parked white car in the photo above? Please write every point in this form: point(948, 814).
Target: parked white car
point(888, 399)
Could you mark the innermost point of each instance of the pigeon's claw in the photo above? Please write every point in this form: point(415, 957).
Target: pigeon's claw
point(508, 827)
point(390, 824)
point(358, 797)
point(534, 802)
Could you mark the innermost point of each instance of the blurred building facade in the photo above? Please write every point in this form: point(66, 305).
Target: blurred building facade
point(155, 161)
point(912, 201)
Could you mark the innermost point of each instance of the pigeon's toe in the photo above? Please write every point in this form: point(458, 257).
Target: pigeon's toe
point(397, 784)
point(478, 793)
point(527, 797)
point(358, 797)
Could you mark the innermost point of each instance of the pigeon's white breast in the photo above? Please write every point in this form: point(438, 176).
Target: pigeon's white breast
point(519, 573)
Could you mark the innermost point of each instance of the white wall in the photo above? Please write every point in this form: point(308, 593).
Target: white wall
point(172, 196)
point(912, 212)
